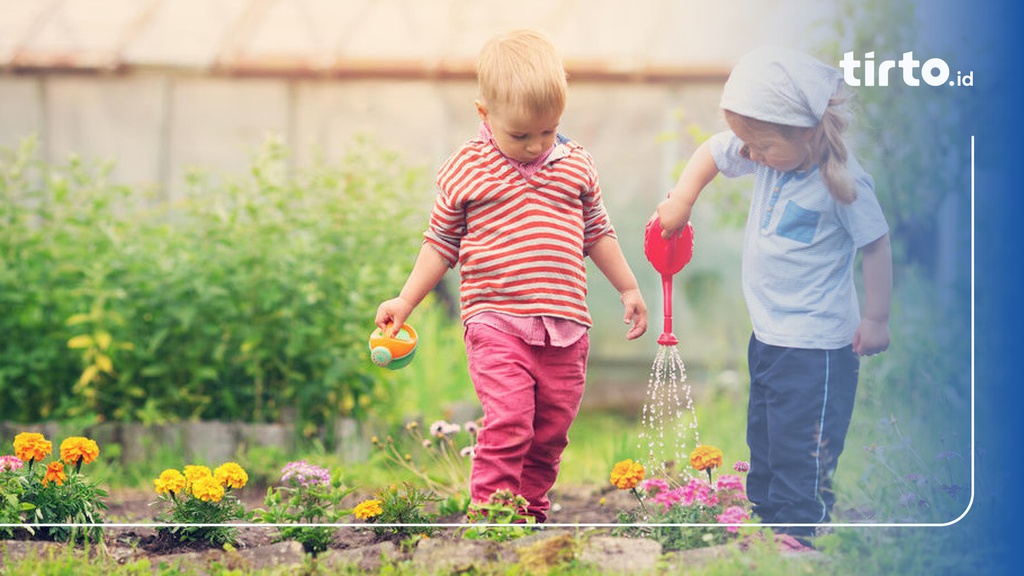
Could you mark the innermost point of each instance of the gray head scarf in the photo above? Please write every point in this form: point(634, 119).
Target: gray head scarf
point(782, 86)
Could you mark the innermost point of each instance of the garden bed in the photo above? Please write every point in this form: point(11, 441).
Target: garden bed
point(590, 508)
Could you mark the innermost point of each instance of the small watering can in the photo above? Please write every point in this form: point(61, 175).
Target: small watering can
point(393, 352)
point(668, 257)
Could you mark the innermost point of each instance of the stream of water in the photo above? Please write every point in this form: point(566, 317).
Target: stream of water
point(669, 424)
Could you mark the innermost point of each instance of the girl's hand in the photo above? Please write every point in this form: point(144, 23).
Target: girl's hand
point(673, 216)
point(636, 313)
point(872, 337)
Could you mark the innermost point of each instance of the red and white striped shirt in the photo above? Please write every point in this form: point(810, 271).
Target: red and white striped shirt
point(520, 243)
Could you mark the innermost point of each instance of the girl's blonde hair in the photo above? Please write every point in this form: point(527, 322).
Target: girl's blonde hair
point(523, 71)
point(828, 144)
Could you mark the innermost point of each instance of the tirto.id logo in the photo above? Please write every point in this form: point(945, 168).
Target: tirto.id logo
point(934, 71)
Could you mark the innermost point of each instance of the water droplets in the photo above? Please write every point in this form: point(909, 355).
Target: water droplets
point(669, 421)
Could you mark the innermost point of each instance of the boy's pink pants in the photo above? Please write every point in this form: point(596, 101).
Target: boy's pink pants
point(530, 396)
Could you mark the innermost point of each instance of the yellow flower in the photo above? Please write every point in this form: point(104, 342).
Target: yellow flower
point(208, 489)
point(705, 457)
point(32, 446)
point(230, 474)
point(627, 474)
point(78, 450)
point(170, 480)
point(193, 473)
point(55, 474)
point(368, 509)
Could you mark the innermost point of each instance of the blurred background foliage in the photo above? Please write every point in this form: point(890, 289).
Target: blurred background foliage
point(250, 300)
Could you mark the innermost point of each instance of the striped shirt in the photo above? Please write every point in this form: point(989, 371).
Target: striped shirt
point(519, 243)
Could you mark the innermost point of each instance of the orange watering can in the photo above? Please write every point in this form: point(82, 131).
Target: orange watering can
point(393, 352)
point(668, 256)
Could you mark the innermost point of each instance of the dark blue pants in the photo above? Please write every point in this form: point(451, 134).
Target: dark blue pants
point(800, 405)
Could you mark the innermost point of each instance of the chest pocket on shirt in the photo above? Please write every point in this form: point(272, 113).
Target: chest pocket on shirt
point(798, 223)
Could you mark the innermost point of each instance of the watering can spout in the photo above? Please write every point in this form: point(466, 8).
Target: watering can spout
point(667, 339)
point(668, 256)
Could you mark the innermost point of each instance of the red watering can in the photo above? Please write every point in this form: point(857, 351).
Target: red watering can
point(668, 257)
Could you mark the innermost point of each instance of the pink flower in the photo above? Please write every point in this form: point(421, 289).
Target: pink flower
point(741, 466)
point(9, 462)
point(654, 485)
point(304, 474)
point(730, 483)
point(668, 498)
point(733, 515)
point(699, 491)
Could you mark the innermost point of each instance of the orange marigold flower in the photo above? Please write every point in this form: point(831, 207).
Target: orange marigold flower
point(208, 489)
point(627, 474)
point(170, 480)
point(230, 474)
point(368, 509)
point(705, 457)
point(78, 450)
point(194, 473)
point(32, 446)
point(55, 474)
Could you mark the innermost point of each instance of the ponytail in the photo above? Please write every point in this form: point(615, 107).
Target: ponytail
point(830, 147)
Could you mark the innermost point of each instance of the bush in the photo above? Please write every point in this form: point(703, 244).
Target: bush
point(246, 299)
point(55, 494)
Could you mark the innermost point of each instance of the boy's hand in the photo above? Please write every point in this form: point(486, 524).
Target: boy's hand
point(635, 313)
point(392, 314)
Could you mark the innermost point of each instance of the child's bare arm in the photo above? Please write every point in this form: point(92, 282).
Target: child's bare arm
point(428, 270)
point(872, 335)
point(674, 212)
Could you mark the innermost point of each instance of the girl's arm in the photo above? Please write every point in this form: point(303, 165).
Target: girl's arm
point(428, 270)
point(674, 212)
point(607, 255)
point(872, 335)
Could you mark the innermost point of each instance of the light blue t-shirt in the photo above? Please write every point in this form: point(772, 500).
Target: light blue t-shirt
point(799, 250)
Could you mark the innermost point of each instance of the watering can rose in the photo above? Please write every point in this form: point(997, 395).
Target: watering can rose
point(627, 474)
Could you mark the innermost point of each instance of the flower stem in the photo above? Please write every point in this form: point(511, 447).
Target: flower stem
point(641, 501)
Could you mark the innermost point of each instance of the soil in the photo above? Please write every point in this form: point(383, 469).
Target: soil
point(584, 505)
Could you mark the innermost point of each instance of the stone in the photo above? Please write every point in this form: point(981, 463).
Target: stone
point(621, 555)
point(366, 558)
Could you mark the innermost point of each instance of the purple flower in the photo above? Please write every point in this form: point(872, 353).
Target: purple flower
point(303, 474)
point(908, 498)
point(917, 479)
point(741, 466)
